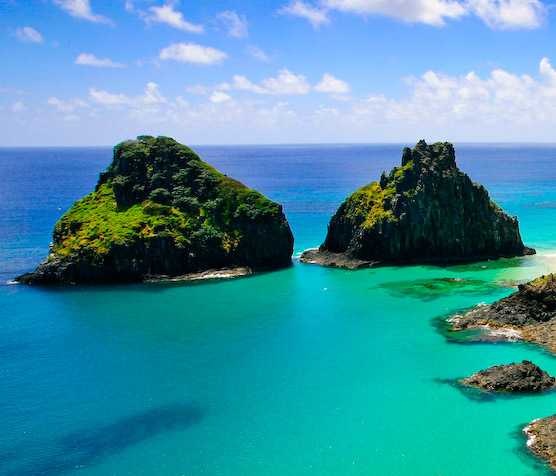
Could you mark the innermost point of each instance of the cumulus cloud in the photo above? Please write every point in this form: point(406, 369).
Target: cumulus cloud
point(330, 84)
point(151, 96)
point(315, 15)
point(89, 59)
point(236, 24)
point(431, 12)
point(167, 14)
point(257, 53)
point(496, 14)
point(81, 9)
point(192, 53)
point(66, 106)
point(29, 34)
point(285, 83)
point(502, 97)
point(509, 14)
point(18, 106)
point(219, 96)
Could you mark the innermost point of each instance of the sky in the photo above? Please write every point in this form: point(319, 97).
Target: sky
point(96, 72)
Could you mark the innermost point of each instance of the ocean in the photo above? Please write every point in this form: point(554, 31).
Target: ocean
point(297, 372)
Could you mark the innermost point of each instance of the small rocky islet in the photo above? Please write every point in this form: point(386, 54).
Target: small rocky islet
point(521, 377)
point(426, 211)
point(160, 212)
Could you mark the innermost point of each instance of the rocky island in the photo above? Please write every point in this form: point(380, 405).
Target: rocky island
point(160, 212)
point(426, 211)
point(516, 377)
point(529, 314)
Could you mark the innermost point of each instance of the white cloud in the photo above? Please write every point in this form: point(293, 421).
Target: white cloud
point(81, 9)
point(192, 53)
point(431, 12)
point(89, 59)
point(167, 14)
point(257, 53)
point(330, 84)
point(219, 96)
point(237, 25)
point(18, 106)
point(285, 83)
point(496, 14)
point(316, 16)
point(66, 106)
point(29, 34)
point(151, 96)
point(437, 99)
point(509, 14)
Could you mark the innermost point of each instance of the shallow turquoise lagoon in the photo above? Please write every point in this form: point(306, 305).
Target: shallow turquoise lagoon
point(302, 371)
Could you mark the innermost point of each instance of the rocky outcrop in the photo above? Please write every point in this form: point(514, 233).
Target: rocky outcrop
point(541, 438)
point(529, 313)
point(160, 211)
point(425, 211)
point(517, 377)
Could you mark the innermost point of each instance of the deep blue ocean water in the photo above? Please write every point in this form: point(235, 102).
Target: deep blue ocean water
point(302, 371)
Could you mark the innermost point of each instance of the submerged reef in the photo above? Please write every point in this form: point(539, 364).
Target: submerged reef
point(516, 377)
point(426, 211)
point(158, 212)
point(529, 314)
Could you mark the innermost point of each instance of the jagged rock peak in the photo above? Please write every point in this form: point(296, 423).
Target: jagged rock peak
point(427, 210)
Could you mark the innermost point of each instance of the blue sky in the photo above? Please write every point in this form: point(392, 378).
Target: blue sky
point(95, 72)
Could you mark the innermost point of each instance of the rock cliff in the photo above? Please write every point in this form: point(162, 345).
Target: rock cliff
point(427, 210)
point(159, 210)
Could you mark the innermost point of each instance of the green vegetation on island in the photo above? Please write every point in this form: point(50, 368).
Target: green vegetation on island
point(160, 210)
point(427, 210)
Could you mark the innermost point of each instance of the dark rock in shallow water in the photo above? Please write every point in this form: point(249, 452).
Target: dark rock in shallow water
point(530, 311)
point(160, 211)
point(541, 440)
point(426, 211)
point(533, 303)
point(518, 377)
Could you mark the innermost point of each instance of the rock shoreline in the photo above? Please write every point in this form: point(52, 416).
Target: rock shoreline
point(344, 260)
point(529, 314)
point(541, 439)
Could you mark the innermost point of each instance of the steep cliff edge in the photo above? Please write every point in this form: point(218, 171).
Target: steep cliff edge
point(427, 210)
point(159, 210)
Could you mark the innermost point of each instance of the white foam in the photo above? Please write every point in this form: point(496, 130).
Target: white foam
point(12, 282)
point(454, 319)
point(511, 334)
point(531, 437)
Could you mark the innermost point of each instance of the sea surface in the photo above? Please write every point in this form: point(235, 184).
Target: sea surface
point(302, 371)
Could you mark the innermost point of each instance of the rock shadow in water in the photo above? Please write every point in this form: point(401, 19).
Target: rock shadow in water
point(88, 446)
point(431, 289)
point(475, 394)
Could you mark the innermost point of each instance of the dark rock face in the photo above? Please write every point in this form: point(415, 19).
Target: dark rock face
point(518, 377)
point(533, 304)
point(531, 311)
point(542, 438)
point(159, 210)
point(427, 210)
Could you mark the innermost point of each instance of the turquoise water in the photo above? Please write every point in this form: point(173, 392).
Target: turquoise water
point(302, 371)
